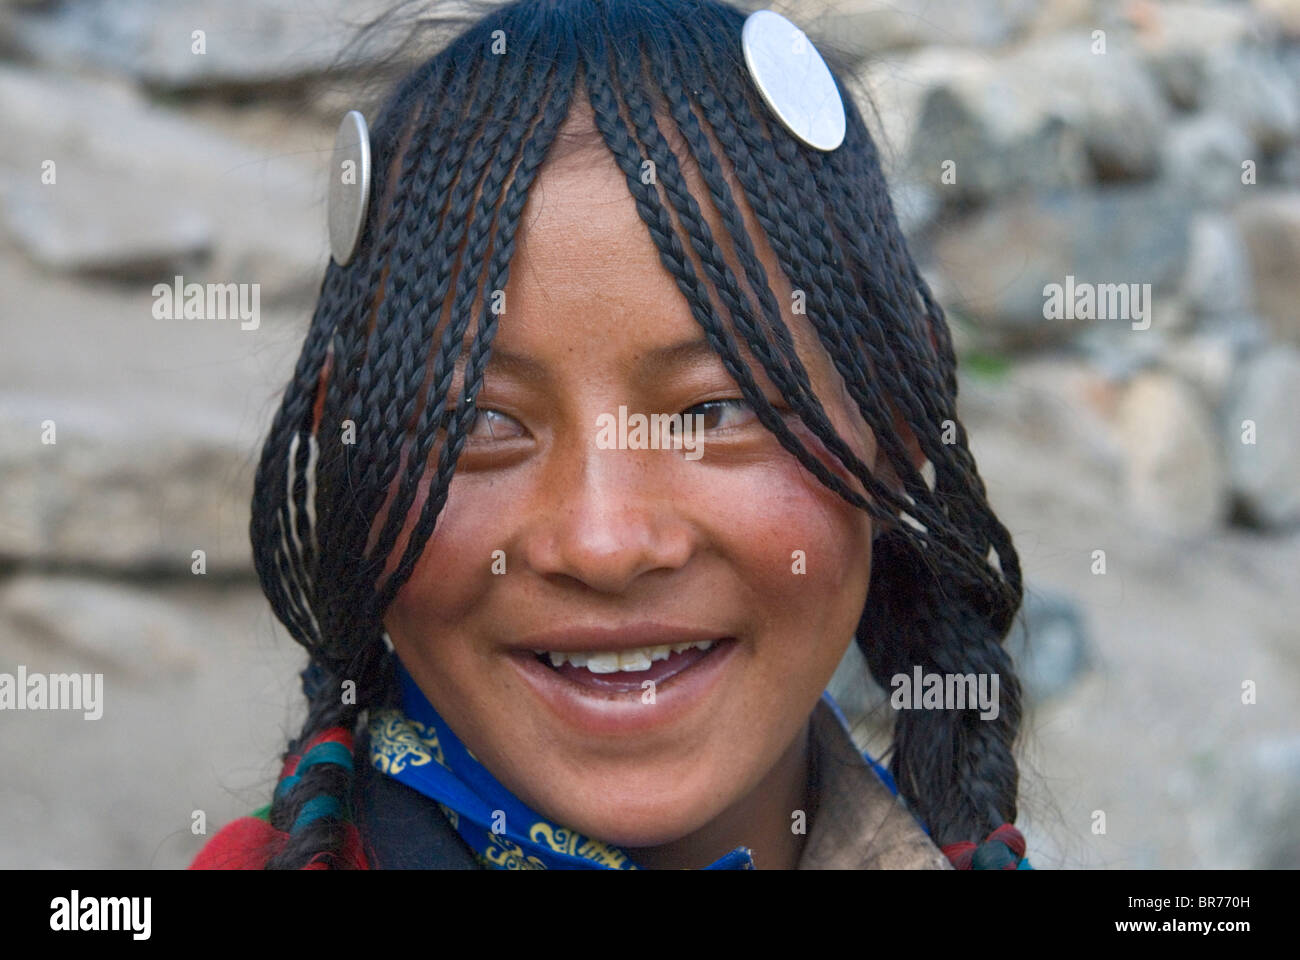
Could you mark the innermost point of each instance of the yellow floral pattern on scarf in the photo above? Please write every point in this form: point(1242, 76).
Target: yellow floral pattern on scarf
point(397, 742)
point(563, 840)
point(503, 854)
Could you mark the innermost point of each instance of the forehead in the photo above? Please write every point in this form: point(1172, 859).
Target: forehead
point(585, 259)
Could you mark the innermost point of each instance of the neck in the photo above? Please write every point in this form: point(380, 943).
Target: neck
point(762, 820)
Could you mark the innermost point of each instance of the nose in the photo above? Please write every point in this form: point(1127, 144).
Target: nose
point(608, 517)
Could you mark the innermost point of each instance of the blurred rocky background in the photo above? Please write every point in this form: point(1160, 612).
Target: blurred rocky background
point(1028, 144)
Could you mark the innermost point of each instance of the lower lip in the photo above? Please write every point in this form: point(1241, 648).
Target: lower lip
point(593, 708)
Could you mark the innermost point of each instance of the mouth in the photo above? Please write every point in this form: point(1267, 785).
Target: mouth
point(625, 671)
point(629, 691)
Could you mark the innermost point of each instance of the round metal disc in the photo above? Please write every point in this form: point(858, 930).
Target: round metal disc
point(793, 79)
point(349, 197)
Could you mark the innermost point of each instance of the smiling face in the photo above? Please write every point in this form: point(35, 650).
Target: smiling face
point(608, 549)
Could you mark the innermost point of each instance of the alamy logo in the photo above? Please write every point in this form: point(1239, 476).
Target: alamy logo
point(1094, 301)
point(102, 913)
point(55, 691)
point(658, 431)
point(209, 301)
point(945, 691)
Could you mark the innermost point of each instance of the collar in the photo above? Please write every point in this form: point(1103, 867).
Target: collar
point(859, 824)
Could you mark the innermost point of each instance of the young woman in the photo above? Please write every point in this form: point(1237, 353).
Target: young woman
point(546, 633)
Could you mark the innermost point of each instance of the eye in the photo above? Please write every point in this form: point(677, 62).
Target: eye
point(722, 414)
point(492, 425)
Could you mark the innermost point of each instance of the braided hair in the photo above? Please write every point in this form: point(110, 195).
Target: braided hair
point(456, 147)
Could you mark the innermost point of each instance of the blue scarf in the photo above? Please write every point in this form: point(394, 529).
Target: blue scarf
point(414, 746)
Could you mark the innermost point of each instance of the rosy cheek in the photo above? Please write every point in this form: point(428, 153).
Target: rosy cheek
point(787, 536)
point(454, 569)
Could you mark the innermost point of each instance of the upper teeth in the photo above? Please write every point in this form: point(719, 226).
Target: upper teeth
point(625, 660)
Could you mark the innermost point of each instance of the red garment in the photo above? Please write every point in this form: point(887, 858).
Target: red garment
point(250, 842)
point(243, 844)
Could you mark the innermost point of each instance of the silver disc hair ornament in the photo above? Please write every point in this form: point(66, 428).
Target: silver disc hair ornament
point(349, 187)
point(793, 79)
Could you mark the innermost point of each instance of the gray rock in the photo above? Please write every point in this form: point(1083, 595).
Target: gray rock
point(1121, 357)
point(203, 728)
point(120, 492)
point(1202, 158)
point(1217, 281)
point(1274, 765)
point(863, 28)
point(157, 420)
point(1175, 481)
point(1283, 14)
point(915, 206)
point(130, 239)
point(1178, 40)
point(995, 134)
point(1109, 98)
point(1285, 167)
point(897, 90)
point(1255, 786)
point(1265, 475)
point(1049, 644)
point(244, 43)
point(102, 626)
point(1051, 115)
point(998, 262)
point(1256, 89)
point(1206, 361)
point(1270, 223)
point(160, 186)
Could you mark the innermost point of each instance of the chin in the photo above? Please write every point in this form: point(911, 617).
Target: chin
point(631, 822)
point(659, 831)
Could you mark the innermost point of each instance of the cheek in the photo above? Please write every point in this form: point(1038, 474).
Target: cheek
point(798, 549)
point(454, 572)
point(819, 543)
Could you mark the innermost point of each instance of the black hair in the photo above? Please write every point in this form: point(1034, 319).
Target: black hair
point(456, 148)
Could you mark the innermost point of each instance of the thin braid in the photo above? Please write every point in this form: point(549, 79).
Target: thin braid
point(861, 384)
point(402, 146)
point(688, 123)
point(489, 163)
point(956, 770)
point(273, 568)
point(955, 467)
point(315, 807)
point(789, 377)
point(934, 510)
point(392, 363)
point(934, 371)
point(741, 142)
point(533, 153)
point(672, 255)
point(373, 403)
point(782, 202)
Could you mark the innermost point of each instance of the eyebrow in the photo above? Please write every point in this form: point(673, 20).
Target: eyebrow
point(512, 364)
point(653, 362)
point(683, 352)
